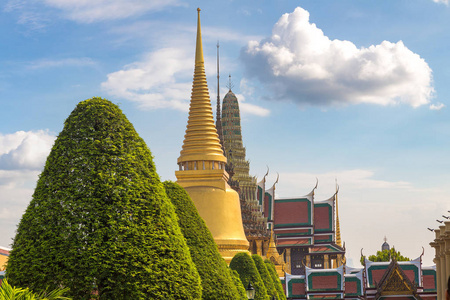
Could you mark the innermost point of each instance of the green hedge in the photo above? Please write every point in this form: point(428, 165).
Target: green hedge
point(239, 286)
point(99, 221)
point(246, 268)
point(276, 280)
point(217, 282)
point(265, 276)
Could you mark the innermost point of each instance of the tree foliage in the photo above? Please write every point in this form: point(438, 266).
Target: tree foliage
point(217, 282)
point(386, 255)
point(265, 276)
point(241, 295)
point(99, 221)
point(246, 268)
point(276, 280)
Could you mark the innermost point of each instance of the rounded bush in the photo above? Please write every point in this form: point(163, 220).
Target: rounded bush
point(265, 276)
point(99, 221)
point(239, 286)
point(217, 282)
point(246, 268)
point(276, 280)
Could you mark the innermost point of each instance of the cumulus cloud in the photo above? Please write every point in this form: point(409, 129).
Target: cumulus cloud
point(300, 63)
point(160, 80)
point(16, 188)
point(25, 150)
point(22, 157)
point(437, 106)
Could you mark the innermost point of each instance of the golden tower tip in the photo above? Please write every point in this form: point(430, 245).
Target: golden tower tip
point(198, 9)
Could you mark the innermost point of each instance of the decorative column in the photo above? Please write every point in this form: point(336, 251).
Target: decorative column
point(308, 261)
point(442, 259)
point(326, 262)
point(437, 261)
point(288, 260)
point(259, 247)
point(446, 242)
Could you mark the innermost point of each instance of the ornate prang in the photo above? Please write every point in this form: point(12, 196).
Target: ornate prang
point(238, 168)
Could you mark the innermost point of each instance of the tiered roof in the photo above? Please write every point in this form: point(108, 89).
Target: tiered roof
point(304, 222)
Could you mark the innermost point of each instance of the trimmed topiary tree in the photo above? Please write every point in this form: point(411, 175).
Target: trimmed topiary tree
point(217, 282)
point(276, 280)
point(238, 284)
point(246, 268)
point(265, 276)
point(100, 221)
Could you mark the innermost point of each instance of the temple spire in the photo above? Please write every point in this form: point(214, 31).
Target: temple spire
point(218, 114)
point(201, 142)
point(338, 229)
point(202, 170)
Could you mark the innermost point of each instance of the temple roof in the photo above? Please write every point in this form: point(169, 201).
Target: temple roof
point(395, 282)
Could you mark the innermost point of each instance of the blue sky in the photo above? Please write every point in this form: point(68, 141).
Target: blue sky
point(353, 90)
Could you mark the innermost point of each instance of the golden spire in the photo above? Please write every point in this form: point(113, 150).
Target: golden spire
point(201, 142)
point(202, 168)
point(338, 229)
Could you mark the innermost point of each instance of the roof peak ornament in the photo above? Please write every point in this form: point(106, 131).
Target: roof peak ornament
point(230, 84)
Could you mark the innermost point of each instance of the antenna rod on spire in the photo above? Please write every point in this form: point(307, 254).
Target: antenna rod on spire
point(218, 114)
point(218, 96)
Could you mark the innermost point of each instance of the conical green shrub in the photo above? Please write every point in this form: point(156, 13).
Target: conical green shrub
point(276, 280)
point(100, 222)
point(246, 268)
point(265, 276)
point(217, 282)
point(239, 286)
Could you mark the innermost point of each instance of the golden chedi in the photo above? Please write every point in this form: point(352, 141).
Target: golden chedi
point(202, 168)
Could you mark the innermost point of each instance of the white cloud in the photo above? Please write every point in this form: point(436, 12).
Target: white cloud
point(87, 11)
point(16, 188)
point(250, 109)
point(25, 150)
point(160, 80)
point(247, 108)
point(30, 12)
point(163, 79)
point(52, 63)
point(446, 2)
point(303, 65)
point(358, 179)
point(437, 106)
